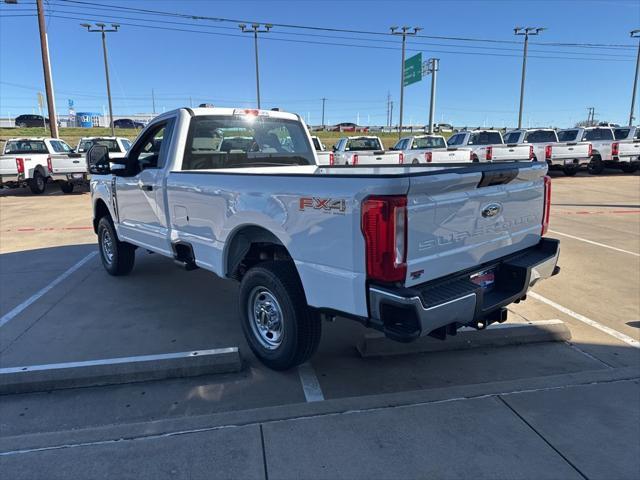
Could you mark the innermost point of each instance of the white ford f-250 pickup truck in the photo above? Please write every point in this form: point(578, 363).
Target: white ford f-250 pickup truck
point(30, 162)
point(566, 156)
point(430, 149)
point(626, 148)
point(324, 156)
point(600, 139)
point(364, 151)
point(488, 146)
point(409, 251)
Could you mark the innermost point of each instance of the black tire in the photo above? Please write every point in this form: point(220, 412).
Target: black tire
point(66, 187)
point(274, 288)
point(118, 258)
point(22, 125)
point(570, 171)
point(595, 167)
point(629, 167)
point(475, 159)
point(38, 183)
point(415, 162)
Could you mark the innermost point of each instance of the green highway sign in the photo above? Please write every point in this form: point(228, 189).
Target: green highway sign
point(413, 69)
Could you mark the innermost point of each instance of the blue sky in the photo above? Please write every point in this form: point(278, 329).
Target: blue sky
point(474, 88)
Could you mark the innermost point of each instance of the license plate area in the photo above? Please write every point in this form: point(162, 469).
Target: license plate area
point(485, 279)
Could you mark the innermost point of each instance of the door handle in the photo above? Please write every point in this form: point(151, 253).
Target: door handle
point(146, 188)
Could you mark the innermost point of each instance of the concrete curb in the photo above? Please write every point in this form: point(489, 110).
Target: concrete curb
point(230, 419)
point(111, 371)
point(497, 335)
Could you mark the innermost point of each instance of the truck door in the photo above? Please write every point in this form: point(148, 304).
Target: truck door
point(139, 195)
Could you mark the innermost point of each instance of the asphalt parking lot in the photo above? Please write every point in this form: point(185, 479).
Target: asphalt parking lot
point(534, 410)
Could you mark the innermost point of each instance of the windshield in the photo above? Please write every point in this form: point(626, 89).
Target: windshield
point(85, 145)
point(621, 133)
point(567, 135)
point(485, 138)
point(598, 134)
point(429, 142)
point(541, 136)
point(364, 144)
point(25, 146)
point(245, 141)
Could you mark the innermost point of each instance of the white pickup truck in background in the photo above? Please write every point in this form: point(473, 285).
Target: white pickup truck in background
point(324, 156)
point(488, 146)
point(118, 146)
point(430, 149)
point(30, 162)
point(386, 246)
point(562, 155)
point(600, 139)
point(364, 151)
point(626, 148)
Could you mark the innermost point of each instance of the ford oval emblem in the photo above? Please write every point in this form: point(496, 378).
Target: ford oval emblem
point(491, 210)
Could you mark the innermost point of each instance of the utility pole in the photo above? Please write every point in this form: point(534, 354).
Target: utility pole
point(391, 114)
point(433, 65)
point(323, 101)
point(635, 34)
point(46, 67)
point(153, 101)
point(404, 31)
point(255, 29)
point(101, 28)
point(388, 109)
point(526, 31)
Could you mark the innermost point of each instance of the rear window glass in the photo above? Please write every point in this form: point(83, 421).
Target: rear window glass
point(429, 142)
point(512, 137)
point(621, 133)
point(316, 144)
point(126, 144)
point(60, 147)
point(245, 141)
point(112, 145)
point(540, 136)
point(567, 135)
point(485, 138)
point(363, 144)
point(25, 146)
point(598, 134)
point(456, 139)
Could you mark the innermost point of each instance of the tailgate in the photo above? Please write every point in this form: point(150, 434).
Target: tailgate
point(508, 153)
point(629, 149)
point(569, 151)
point(382, 158)
point(8, 165)
point(455, 225)
point(66, 164)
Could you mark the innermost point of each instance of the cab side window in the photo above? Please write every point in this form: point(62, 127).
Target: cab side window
point(151, 150)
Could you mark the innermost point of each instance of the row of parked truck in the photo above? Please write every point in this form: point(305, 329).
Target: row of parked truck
point(566, 150)
point(33, 162)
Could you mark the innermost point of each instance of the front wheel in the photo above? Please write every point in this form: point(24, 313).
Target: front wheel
point(66, 187)
point(279, 327)
point(38, 183)
point(117, 257)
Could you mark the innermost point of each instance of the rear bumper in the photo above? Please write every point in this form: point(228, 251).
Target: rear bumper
point(627, 159)
point(12, 179)
point(441, 307)
point(77, 177)
point(568, 162)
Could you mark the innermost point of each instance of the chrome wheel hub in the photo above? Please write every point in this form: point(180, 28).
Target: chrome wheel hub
point(265, 317)
point(106, 243)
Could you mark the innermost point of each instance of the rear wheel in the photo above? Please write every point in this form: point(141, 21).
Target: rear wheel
point(66, 187)
point(38, 183)
point(570, 170)
point(595, 167)
point(280, 328)
point(415, 162)
point(629, 167)
point(117, 257)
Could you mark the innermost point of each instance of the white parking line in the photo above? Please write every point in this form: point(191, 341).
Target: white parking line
point(603, 328)
point(310, 383)
point(595, 243)
point(7, 317)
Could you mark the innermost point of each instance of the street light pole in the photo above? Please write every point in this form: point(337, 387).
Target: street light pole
point(635, 34)
point(404, 31)
point(255, 29)
point(101, 28)
point(323, 101)
point(433, 66)
point(46, 66)
point(526, 31)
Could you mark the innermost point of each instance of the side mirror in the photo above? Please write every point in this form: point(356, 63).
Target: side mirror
point(98, 160)
point(333, 148)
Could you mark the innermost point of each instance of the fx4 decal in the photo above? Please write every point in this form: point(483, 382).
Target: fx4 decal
point(327, 205)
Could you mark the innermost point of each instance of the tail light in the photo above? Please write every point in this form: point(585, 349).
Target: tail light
point(20, 165)
point(590, 150)
point(615, 148)
point(531, 154)
point(428, 157)
point(384, 226)
point(401, 158)
point(547, 152)
point(355, 158)
point(332, 158)
point(49, 165)
point(546, 209)
point(489, 153)
point(470, 156)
